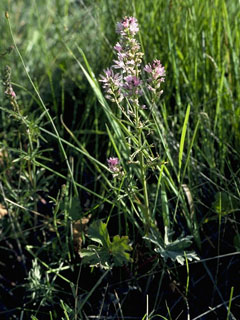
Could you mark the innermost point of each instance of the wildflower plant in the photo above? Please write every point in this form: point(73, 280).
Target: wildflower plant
point(126, 83)
point(9, 92)
point(131, 87)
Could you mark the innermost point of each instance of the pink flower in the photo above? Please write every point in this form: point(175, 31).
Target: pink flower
point(110, 78)
point(127, 25)
point(156, 74)
point(118, 47)
point(126, 83)
point(159, 70)
point(113, 164)
point(120, 28)
point(148, 68)
point(10, 93)
point(13, 94)
point(132, 86)
point(156, 69)
point(111, 84)
point(132, 81)
point(119, 64)
point(108, 73)
point(133, 25)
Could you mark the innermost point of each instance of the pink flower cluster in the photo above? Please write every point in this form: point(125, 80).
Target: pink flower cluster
point(127, 26)
point(132, 86)
point(156, 69)
point(112, 84)
point(126, 83)
point(156, 74)
point(113, 164)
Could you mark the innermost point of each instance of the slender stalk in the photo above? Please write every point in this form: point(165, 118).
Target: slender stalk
point(143, 171)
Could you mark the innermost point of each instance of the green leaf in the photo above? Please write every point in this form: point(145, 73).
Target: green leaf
point(107, 253)
point(120, 250)
point(96, 256)
point(75, 210)
point(174, 250)
point(98, 232)
point(180, 244)
point(224, 203)
point(182, 141)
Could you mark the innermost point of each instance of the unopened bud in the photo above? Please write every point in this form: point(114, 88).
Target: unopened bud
point(6, 14)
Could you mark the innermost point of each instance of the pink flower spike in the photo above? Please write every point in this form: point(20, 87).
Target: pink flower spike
point(156, 75)
point(158, 68)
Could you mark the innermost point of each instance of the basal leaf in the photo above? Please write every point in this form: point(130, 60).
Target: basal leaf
point(96, 257)
point(180, 244)
point(107, 253)
point(98, 232)
point(174, 250)
point(120, 250)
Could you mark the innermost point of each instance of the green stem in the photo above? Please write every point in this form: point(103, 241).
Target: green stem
point(143, 172)
point(145, 193)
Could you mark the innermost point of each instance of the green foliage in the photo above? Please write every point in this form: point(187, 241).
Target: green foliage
point(75, 209)
point(38, 285)
point(174, 250)
point(225, 203)
point(108, 253)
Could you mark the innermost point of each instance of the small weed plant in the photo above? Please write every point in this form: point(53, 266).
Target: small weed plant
point(139, 164)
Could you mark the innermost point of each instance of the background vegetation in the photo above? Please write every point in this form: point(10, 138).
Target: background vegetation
point(55, 184)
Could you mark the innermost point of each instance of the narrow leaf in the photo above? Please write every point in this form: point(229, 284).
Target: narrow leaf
point(182, 141)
